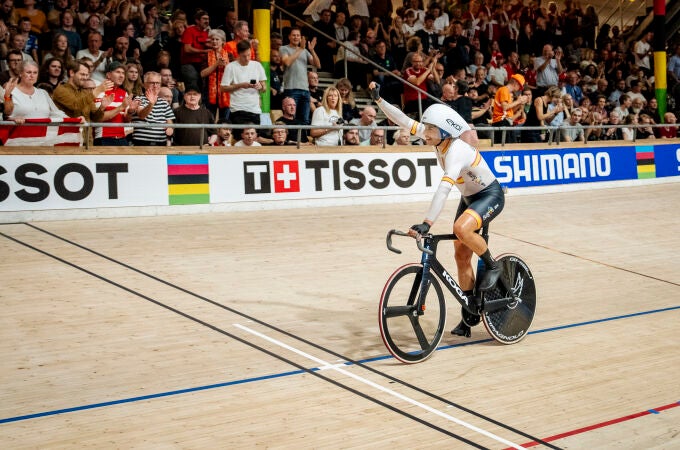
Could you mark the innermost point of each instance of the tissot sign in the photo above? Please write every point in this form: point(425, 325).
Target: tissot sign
point(55, 182)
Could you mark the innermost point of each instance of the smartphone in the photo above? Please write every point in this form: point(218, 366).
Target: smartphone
point(253, 81)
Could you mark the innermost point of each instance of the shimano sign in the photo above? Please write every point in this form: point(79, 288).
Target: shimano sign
point(543, 167)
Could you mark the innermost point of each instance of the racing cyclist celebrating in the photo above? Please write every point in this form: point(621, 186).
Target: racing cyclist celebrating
point(482, 197)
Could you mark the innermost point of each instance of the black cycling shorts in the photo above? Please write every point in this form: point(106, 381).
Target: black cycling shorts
point(485, 205)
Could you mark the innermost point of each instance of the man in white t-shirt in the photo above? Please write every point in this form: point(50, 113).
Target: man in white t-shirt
point(642, 50)
point(245, 80)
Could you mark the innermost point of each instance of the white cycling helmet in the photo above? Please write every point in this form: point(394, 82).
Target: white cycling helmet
point(439, 115)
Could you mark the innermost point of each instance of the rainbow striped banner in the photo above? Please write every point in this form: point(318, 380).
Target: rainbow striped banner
point(188, 179)
point(644, 156)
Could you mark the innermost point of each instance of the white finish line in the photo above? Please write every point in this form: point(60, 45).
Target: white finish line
point(328, 366)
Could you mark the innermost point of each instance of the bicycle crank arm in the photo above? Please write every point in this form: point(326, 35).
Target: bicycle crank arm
point(497, 304)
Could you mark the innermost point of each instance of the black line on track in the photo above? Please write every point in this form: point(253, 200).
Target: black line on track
point(303, 340)
point(594, 261)
point(245, 342)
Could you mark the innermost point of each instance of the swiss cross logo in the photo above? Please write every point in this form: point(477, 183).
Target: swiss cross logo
point(286, 176)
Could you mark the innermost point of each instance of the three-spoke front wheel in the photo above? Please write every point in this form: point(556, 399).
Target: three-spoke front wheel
point(412, 333)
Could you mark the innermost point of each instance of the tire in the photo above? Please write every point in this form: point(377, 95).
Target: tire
point(409, 336)
point(511, 323)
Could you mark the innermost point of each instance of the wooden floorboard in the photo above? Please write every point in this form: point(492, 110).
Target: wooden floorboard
point(230, 331)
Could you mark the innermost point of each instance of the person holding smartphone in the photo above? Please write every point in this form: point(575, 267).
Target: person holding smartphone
point(245, 80)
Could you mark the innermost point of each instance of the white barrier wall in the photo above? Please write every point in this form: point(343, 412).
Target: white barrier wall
point(41, 187)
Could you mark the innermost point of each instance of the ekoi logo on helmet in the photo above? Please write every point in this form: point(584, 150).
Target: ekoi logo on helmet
point(454, 124)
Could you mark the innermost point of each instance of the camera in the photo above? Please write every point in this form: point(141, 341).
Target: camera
point(340, 121)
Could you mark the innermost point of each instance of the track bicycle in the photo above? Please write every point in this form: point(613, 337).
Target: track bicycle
point(413, 307)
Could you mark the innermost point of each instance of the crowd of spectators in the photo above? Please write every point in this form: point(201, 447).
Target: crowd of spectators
point(511, 63)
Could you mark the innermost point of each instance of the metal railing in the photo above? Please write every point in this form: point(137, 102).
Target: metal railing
point(552, 133)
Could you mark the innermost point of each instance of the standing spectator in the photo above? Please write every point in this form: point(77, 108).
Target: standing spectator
point(242, 33)
point(98, 57)
point(67, 27)
point(75, 99)
point(497, 73)
point(548, 68)
point(275, 79)
point(573, 132)
point(397, 41)
point(641, 52)
point(245, 80)
point(25, 101)
point(117, 111)
point(296, 58)
point(230, 20)
point(457, 48)
point(152, 110)
point(194, 48)
point(328, 117)
point(441, 21)
point(366, 119)
point(192, 112)
point(217, 59)
point(417, 75)
point(248, 138)
point(504, 106)
point(350, 55)
point(327, 47)
point(341, 31)
point(390, 86)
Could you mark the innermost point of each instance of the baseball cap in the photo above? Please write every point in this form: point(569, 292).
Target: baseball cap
point(192, 87)
point(519, 78)
point(114, 65)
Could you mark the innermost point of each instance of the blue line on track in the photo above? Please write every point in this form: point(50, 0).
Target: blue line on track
point(299, 372)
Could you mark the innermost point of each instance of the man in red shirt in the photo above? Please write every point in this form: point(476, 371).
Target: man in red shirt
point(117, 108)
point(195, 49)
point(418, 74)
point(671, 129)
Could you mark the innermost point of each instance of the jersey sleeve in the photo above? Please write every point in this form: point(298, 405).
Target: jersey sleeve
point(397, 116)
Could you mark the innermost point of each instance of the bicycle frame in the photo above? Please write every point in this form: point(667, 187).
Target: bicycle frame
point(431, 264)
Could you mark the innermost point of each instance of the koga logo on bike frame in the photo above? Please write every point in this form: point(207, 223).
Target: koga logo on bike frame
point(258, 177)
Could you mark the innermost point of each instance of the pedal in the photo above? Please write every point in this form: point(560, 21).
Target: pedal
point(462, 329)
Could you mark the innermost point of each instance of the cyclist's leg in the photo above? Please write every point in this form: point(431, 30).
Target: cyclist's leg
point(482, 208)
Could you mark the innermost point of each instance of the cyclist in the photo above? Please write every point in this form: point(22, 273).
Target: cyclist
point(482, 197)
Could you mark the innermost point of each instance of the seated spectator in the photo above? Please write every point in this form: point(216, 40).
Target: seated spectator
point(377, 137)
point(289, 109)
point(573, 131)
point(636, 105)
point(248, 138)
point(600, 106)
point(652, 110)
point(31, 46)
point(60, 49)
point(670, 129)
point(152, 110)
point(629, 131)
point(315, 94)
point(624, 106)
point(328, 117)
point(192, 112)
point(25, 101)
point(14, 60)
point(168, 81)
point(613, 133)
point(223, 136)
point(402, 137)
point(366, 119)
point(645, 131)
point(52, 73)
point(350, 137)
point(133, 79)
point(594, 133)
point(461, 102)
point(572, 87)
point(280, 136)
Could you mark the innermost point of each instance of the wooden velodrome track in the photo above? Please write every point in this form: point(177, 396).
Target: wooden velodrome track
point(259, 329)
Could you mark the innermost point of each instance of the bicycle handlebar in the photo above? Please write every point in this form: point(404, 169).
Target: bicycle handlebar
point(401, 233)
